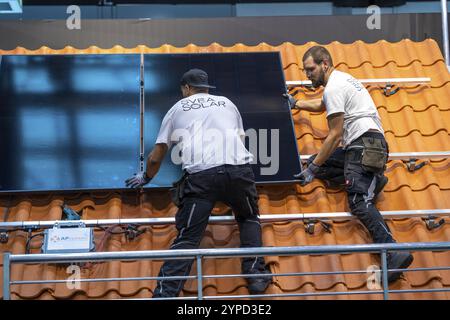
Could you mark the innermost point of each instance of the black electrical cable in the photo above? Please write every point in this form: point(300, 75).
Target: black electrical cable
point(27, 247)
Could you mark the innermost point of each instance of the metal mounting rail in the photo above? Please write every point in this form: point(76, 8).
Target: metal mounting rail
point(383, 81)
point(406, 155)
point(264, 218)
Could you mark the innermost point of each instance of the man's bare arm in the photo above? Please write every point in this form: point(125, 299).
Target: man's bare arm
point(336, 127)
point(155, 158)
point(315, 105)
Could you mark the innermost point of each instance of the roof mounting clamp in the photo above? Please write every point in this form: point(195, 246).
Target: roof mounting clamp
point(412, 164)
point(4, 237)
point(310, 226)
point(388, 89)
point(431, 223)
point(132, 232)
point(69, 224)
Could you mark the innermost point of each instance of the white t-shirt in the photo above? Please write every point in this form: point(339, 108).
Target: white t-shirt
point(345, 94)
point(208, 132)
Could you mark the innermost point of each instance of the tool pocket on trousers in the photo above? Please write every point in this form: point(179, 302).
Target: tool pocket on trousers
point(357, 179)
point(374, 156)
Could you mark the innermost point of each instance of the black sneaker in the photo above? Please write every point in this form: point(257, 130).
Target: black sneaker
point(381, 183)
point(258, 285)
point(398, 260)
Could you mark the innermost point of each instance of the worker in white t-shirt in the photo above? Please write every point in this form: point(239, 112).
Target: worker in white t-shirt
point(354, 123)
point(208, 137)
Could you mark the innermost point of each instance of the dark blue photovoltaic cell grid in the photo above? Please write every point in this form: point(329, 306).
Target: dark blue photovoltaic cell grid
point(68, 122)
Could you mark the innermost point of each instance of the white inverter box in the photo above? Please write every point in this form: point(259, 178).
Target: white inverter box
point(64, 239)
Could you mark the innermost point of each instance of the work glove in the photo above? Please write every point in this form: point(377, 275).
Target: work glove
point(307, 175)
point(291, 100)
point(138, 180)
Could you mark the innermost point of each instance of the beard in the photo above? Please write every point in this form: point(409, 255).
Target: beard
point(320, 80)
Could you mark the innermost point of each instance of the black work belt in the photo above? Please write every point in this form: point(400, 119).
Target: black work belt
point(177, 190)
point(220, 169)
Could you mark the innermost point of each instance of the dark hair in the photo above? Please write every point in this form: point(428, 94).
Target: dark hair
point(319, 54)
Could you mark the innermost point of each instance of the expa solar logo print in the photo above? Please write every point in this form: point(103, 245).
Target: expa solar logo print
point(224, 144)
point(188, 104)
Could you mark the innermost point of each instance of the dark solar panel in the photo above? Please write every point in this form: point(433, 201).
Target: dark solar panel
point(253, 81)
point(68, 122)
point(72, 122)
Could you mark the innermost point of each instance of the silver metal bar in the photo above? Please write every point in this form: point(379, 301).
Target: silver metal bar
point(104, 280)
point(171, 298)
point(265, 218)
point(199, 278)
point(422, 269)
point(190, 277)
point(224, 276)
point(293, 274)
point(382, 81)
point(420, 290)
point(406, 155)
point(224, 253)
point(419, 155)
point(6, 276)
point(415, 213)
point(384, 270)
point(445, 32)
point(141, 114)
point(287, 295)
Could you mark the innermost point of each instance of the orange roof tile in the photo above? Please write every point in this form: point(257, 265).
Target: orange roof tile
point(417, 118)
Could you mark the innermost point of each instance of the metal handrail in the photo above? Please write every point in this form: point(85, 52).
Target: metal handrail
point(382, 81)
point(200, 254)
point(225, 253)
point(405, 155)
point(264, 218)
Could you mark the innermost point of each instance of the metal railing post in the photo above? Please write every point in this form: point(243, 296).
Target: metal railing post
point(6, 276)
point(384, 270)
point(141, 115)
point(199, 278)
point(445, 33)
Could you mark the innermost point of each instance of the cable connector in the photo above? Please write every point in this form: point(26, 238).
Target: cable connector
point(132, 232)
point(389, 91)
point(310, 226)
point(412, 165)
